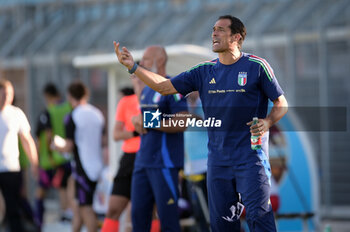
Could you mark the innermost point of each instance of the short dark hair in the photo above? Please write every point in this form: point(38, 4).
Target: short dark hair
point(127, 91)
point(236, 27)
point(78, 90)
point(51, 90)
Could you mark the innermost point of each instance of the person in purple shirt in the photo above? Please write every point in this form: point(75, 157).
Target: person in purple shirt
point(233, 88)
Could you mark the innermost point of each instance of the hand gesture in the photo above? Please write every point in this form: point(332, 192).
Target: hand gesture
point(124, 56)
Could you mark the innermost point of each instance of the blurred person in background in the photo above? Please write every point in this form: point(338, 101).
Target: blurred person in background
point(195, 167)
point(13, 125)
point(234, 88)
point(161, 154)
point(26, 210)
point(54, 166)
point(127, 108)
point(138, 86)
point(103, 189)
point(84, 130)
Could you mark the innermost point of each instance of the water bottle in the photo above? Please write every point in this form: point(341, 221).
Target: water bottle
point(255, 141)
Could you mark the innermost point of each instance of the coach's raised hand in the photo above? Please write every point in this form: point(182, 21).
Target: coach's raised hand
point(124, 56)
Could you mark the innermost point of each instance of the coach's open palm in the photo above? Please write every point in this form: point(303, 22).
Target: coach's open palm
point(124, 56)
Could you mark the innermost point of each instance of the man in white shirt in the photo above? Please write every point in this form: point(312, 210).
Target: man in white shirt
point(13, 124)
point(84, 128)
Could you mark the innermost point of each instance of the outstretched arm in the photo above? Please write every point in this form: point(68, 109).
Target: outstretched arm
point(153, 80)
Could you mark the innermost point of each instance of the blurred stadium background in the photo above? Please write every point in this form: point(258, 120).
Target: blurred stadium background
point(306, 42)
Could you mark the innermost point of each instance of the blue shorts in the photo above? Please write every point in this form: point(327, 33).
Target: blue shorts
point(155, 186)
point(252, 181)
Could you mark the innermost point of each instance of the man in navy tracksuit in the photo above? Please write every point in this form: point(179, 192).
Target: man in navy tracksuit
point(161, 154)
point(233, 88)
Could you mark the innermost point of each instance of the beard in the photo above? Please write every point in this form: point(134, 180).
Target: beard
point(217, 50)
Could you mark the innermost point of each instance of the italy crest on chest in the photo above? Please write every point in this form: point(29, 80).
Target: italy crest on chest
point(242, 78)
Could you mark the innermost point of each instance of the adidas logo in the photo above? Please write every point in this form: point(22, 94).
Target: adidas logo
point(171, 201)
point(212, 81)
